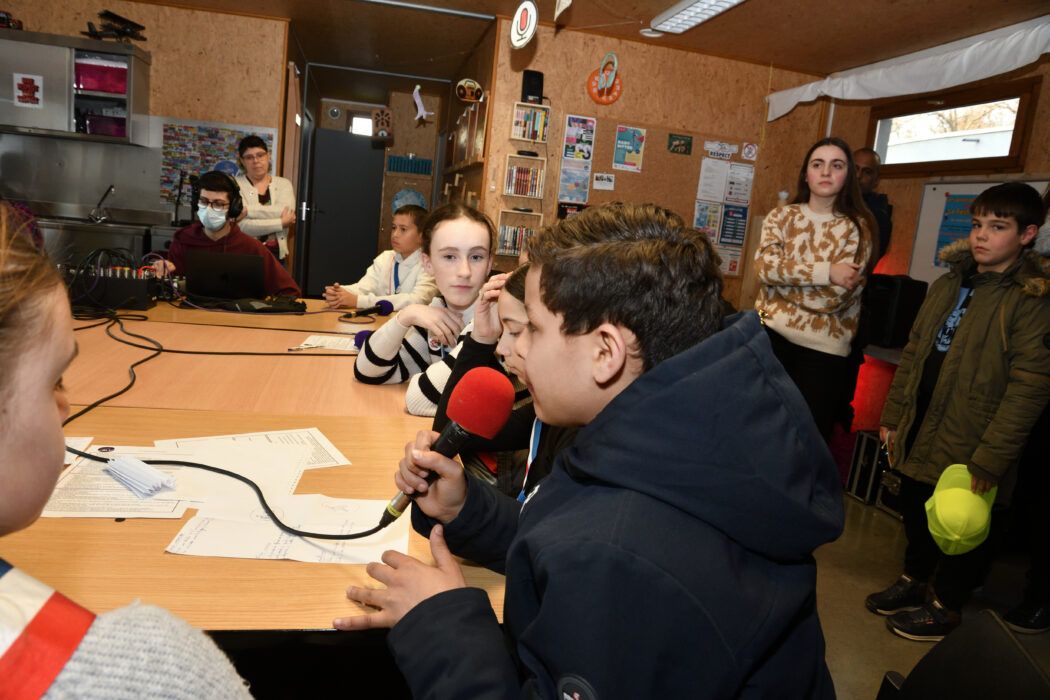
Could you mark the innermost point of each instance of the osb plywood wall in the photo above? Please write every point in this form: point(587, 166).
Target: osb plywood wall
point(905, 194)
point(411, 136)
point(207, 66)
point(480, 68)
point(665, 90)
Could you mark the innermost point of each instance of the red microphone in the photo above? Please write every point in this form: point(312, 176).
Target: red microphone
point(479, 405)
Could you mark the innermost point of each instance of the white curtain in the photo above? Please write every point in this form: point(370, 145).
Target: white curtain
point(957, 63)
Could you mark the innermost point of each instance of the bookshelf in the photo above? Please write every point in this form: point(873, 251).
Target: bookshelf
point(513, 228)
point(531, 122)
point(525, 176)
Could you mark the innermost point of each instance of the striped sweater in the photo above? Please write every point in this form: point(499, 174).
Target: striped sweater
point(395, 354)
point(797, 298)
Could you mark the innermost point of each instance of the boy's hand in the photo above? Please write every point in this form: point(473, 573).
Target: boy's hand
point(980, 486)
point(887, 438)
point(441, 500)
point(408, 583)
point(338, 297)
point(487, 327)
point(846, 274)
point(444, 324)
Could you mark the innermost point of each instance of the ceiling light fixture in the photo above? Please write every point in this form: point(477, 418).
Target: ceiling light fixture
point(689, 13)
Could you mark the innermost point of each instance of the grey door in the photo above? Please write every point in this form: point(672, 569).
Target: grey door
point(346, 189)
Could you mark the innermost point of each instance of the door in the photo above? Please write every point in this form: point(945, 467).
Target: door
point(346, 183)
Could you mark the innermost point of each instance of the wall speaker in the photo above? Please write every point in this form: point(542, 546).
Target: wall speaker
point(532, 86)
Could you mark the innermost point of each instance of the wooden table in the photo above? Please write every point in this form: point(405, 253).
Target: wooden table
point(318, 319)
point(292, 382)
point(103, 564)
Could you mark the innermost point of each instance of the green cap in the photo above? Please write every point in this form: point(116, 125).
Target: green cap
point(958, 518)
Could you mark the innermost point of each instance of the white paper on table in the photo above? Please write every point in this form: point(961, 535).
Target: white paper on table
point(77, 443)
point(224, 528)
point(322, 452)
point(330, 342)
point(85, 490)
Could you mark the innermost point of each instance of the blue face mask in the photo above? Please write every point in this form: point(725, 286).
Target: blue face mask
point(212, 220)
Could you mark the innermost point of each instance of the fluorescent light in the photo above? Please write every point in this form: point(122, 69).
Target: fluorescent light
point(362, 126)
point(689, 13)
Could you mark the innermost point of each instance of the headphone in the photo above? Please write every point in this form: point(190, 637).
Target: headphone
point(605, 80)
point(236, 202)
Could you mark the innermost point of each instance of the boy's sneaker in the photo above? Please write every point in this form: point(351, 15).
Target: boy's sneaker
point(1028, 618)
point(928, 623)
point(905, 594)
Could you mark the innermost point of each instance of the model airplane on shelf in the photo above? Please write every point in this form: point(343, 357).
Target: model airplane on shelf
point(115, 27)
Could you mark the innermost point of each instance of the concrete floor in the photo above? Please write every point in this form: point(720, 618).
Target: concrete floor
point(867, 558)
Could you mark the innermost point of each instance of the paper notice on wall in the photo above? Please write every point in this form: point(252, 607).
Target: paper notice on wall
point(734, 226)
point(707, 218)
point(29, 91)
point(574, 183)
point(738, 183)
point(730, 260)
point(713, 176)
point(604, 181)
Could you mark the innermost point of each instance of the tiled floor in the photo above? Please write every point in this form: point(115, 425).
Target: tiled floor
point(868, 558)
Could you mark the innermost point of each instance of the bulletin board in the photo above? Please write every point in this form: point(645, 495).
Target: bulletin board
point(944, 217)
point(705, 179)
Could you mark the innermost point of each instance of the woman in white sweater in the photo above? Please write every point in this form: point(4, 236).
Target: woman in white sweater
point(269, 201)
point(812, 261)
point(49, 646)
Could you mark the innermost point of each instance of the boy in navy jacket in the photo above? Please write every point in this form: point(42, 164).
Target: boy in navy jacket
point(669, 553)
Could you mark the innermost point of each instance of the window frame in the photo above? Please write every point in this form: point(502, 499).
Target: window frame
point(1027, 92)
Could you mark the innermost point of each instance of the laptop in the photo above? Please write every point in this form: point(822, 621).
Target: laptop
point(224, 275)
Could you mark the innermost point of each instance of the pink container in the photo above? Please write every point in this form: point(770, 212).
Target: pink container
point(101, 75)
point(105, 126)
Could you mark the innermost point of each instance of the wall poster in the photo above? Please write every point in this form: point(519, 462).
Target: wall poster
point(629, 149)
point(575, 179)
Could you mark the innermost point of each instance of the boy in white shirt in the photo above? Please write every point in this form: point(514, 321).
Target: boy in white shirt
point(395, 275)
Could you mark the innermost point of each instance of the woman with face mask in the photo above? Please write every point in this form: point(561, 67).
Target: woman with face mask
point(216, 230)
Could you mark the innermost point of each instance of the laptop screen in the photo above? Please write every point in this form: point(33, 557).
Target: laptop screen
point(224, 275)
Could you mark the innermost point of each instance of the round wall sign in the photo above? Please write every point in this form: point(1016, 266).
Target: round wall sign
point(600, 92)
point(524, 25)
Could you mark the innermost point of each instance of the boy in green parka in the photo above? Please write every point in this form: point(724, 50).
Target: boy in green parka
point(972, 380)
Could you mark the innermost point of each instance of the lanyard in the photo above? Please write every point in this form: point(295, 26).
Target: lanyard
point(534, 444)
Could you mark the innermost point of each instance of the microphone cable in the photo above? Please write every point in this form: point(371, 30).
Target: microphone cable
point(258, 492)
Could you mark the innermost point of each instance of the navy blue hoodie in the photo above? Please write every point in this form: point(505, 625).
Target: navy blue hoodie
point(668, 554)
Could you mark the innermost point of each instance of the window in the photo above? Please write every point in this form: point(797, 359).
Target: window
point(976, 130)
point(361, 125)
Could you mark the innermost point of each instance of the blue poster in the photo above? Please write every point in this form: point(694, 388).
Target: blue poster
point(955, 221)
point(734, 226)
